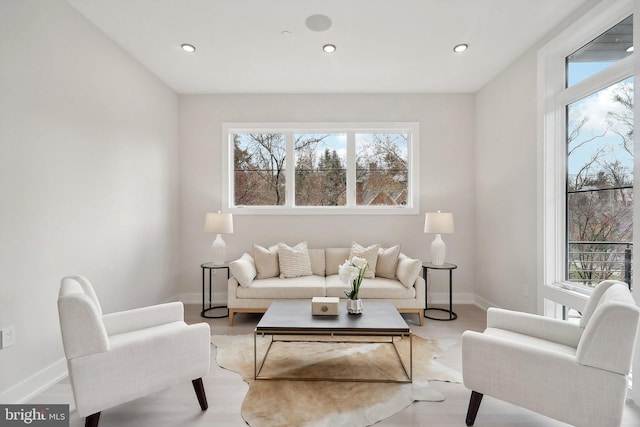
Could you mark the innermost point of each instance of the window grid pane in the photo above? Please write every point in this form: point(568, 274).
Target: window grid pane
point(321, 171)
point(381, 169)
point(599, 199)
point(259, 169)
point(605, 50)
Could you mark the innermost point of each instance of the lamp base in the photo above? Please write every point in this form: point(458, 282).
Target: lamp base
point(219, 249)
point(438, 250)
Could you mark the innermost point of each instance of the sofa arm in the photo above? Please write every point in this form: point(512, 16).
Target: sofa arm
point(232, 292)
point(558, 331)
point(145, 317)
point(421, 291)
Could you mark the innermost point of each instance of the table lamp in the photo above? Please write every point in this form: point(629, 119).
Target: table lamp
point(438, 223)
point(218, 223)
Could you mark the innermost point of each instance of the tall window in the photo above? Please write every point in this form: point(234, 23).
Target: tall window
point(599, 163)
point(586, 198)
point(321, 168)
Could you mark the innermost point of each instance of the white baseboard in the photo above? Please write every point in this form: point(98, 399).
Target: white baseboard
point(219, 298)
point(35, 384)
point(443, 298)
point(483, 303)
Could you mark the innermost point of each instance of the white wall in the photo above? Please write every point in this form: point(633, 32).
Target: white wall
point(505, 197)
point(447, 163)
point(507, 167)
point(88, 180)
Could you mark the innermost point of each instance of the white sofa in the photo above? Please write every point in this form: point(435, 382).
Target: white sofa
point(264, 276)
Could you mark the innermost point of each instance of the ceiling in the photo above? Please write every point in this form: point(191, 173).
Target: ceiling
point(383, 46)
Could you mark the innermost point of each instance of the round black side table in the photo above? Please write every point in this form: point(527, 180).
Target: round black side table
point(210, 267)
point(446, 266)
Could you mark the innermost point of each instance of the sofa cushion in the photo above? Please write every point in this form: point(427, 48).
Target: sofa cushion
point(408, 270)
point(294, 261)
point(369, 253)
point(243, 269)
point(266, 261)
point(378, 288)
point(388, 262)
point(334, 258)
point(316, 256)
point(276, 288)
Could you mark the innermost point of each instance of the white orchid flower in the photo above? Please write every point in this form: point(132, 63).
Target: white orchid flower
point(348, 272)
point(361, 263)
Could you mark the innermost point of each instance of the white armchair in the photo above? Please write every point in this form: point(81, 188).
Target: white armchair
point(576, 373)
point(122, 356)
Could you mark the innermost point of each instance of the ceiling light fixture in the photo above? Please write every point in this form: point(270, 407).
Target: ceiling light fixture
point(189, 48)
point(318, 22)
point(630, 49)
point(329, 48)
point(460, 48)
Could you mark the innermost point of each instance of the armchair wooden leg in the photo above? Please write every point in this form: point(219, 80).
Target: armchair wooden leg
point(92, 420)
point(474, 405)
point(202, 397)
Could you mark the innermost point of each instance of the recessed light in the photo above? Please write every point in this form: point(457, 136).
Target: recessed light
point(189, 48)
point(460, 48)
point(329, 48)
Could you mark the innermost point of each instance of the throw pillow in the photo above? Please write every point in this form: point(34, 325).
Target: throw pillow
point(408, 270)
point(388, 262)
point(294, 261)
point(266, 260)
point(243, 269)
point(369, 253)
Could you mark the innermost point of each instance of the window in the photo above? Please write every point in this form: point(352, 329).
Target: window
point(599, 218)
point(321, 168)
point(606, 49)
point(588, 150)
point(587, 188)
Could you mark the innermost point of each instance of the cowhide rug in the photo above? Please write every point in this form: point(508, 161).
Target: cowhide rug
point(329, 403)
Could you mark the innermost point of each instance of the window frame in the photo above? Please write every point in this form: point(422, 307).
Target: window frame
point(553, 99)
point(350, 129)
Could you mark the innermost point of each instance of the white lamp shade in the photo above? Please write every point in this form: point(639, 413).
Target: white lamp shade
point(438, 222)
point(218, 223)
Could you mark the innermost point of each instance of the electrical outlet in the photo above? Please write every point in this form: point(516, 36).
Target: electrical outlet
point(8, 337)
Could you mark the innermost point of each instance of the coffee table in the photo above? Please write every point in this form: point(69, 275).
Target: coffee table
point(294, 318)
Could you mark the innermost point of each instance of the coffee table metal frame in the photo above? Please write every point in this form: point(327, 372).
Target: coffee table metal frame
point(304, 329)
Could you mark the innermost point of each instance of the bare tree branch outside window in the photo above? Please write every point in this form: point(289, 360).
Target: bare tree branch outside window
point(600, 185)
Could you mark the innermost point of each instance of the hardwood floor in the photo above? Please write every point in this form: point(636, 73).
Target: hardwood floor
point(178, 405)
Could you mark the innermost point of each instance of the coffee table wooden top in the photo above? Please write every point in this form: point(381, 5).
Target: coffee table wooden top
point(295, 316)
